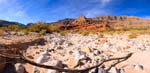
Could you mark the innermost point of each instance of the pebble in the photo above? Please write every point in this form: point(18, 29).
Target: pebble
point(139, 67)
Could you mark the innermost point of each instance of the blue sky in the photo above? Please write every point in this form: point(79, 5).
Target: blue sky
point(26, 11)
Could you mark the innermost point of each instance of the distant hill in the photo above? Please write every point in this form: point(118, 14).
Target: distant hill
point(6, 23)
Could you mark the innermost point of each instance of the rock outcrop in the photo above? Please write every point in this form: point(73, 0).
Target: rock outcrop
point(80, 21)
point(103, 23)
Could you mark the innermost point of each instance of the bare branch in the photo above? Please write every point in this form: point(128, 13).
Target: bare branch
point(61, 69)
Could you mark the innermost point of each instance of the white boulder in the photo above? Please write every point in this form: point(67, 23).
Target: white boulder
point(55, 63)
point(43, 58)
point(19, 68)
point(114, 70)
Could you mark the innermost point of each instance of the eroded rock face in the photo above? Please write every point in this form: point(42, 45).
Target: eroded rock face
point(80, 20)
point(102, 23)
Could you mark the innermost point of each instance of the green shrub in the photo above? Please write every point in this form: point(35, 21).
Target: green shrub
point(53, 28)
point(25, 31)
point(14, 27)
point(42, 25)
point(110, 32)
point(42, 32)
point(34, 28)
point(4, 28)
point(64, 32)
point(37, 27)
point(84, 33)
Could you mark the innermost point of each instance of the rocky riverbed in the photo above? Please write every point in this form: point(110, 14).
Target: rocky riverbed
point(75, 51)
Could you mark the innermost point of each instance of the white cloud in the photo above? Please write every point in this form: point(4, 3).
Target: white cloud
point(101, 9)
point(2, 1)
point(99, 1)
point(96, 12)
point(105, 2)
point(102, 3)
point(11, 10)
point(19, 14)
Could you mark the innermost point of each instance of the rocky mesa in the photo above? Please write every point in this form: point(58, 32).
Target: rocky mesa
point(103, 23)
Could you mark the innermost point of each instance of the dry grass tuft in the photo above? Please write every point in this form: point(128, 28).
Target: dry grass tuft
point(132, 35)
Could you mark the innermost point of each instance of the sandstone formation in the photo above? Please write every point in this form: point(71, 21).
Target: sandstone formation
point(103, 23)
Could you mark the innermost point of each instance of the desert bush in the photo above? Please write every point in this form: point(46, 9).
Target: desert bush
point(64, 32)
point(132, 35)
point(4, 28)
point(25, 31)
point(110, 32)
point(42, 32)
point(2, 32)
point(37, 27)
point(42, 25)
point(53, 28)
point(14, 27)
point(138, 28)
point(34, 28)
point(84, 33)
point(100, 35)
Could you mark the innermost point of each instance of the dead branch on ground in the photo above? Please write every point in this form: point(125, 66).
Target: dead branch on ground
point(22, 58)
